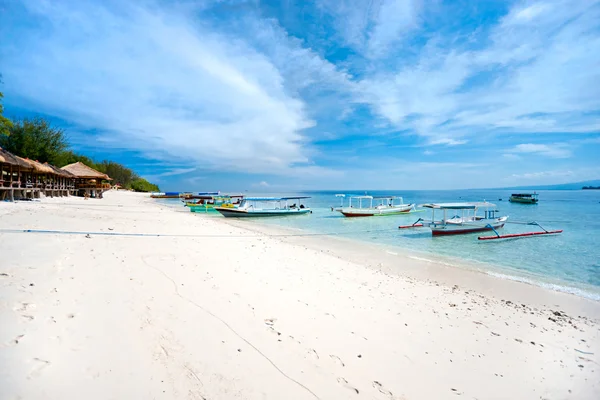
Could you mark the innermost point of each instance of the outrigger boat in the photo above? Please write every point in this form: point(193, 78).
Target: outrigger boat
point(464, 219)
point(525, 198)
point(266, 207)
point(375, 206)
point(208, 204)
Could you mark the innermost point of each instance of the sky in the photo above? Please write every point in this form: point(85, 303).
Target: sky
point(332, 94)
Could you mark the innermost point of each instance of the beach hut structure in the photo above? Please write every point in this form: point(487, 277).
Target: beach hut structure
point(65, 181)
point(88, 181)
point(12, 171)
point(38, 179)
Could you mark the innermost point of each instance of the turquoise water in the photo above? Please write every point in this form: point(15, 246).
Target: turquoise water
point(571, 259)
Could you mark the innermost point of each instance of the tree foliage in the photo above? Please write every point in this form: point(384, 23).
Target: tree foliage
point(5, 123)
point(142, 185)
point(36, 139)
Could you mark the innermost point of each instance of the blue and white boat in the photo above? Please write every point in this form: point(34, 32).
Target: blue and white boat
point(267, 207)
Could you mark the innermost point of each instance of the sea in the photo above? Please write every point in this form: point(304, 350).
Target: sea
point(568, 262)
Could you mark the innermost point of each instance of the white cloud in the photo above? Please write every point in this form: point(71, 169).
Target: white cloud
point(395, 18)
point(555, 150)
point(372, 27)
point(535, 71)
point(154, 79)
point(544, 174)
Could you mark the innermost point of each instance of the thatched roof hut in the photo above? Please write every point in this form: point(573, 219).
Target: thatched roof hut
point(82, 171)
point(60, 172)
point(38, 167)
point(16, 161)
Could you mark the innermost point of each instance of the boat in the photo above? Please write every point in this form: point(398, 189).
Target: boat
point(167, 195)
point(266, 207)
point(375, 206)
point(208, 204)
point(464, 219)
point(181, 195)
point(525, 198)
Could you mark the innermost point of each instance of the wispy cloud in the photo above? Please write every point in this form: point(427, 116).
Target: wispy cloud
point(555, 150)
point(534, 71)
point(151, 78)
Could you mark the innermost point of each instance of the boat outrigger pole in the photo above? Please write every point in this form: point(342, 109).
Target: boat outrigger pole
point(416, 224)
point(518, 235)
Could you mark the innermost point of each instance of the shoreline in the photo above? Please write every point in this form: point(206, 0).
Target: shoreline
point(440, 269)
point(214, 310)
point(494, 271)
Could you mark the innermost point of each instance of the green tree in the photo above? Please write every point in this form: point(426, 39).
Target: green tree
point(142, 185)
point(119, 173)
point(5, 123)
point(36, 139)
point(70, 157)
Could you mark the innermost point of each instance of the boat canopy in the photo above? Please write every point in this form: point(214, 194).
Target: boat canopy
point(276, 198)
point(361, 197)
point(459, 206)
point(524, 194)
point(386, 197)
point(340, 195)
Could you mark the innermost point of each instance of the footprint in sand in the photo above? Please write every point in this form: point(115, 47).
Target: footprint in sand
point(24, 307)
point(337, 360)
point(313, 353)
point(38, 366)
point(382, 389)
point(344, 383)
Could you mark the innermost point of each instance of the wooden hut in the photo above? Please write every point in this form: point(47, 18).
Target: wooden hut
point(88, 181)
point(39, 179)
point(65, 181)
point(12, 170)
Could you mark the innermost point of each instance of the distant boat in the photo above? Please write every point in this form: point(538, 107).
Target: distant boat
point(167, 195)
point(525, 198)
point(266, 207)
point(464, 219)
point(375, 206)
point(184, 195)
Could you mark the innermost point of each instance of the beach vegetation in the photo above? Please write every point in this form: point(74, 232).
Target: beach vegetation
point(5, 123)
point(142, 185)
point(36, 139)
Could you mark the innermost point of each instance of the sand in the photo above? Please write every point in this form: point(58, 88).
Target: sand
point(222, 310)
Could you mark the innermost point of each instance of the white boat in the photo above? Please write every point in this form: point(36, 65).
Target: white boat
point(266, 207)
point(463, 219)
point(375, 206)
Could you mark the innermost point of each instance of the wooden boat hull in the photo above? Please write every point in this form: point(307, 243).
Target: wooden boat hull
point(522, 200)
point(373, 212)
point(202, 208)
point(462, 229)
point(237, 213)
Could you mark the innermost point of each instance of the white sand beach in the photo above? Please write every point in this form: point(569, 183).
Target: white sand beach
point(225, 310)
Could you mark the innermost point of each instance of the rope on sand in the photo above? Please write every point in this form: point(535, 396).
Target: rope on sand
point(60, 232)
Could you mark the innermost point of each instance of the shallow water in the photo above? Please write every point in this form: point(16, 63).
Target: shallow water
point(569, 261)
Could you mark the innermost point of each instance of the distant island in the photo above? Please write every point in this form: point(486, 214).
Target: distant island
point(591, 188)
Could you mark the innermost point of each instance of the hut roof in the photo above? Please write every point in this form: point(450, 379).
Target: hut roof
point(9, 158)
point(38, 166)
point(80, 170)
point(61, 172)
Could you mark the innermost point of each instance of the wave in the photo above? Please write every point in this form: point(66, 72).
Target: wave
point(547, 285)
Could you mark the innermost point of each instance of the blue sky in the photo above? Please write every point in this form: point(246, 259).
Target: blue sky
point(332, 94)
